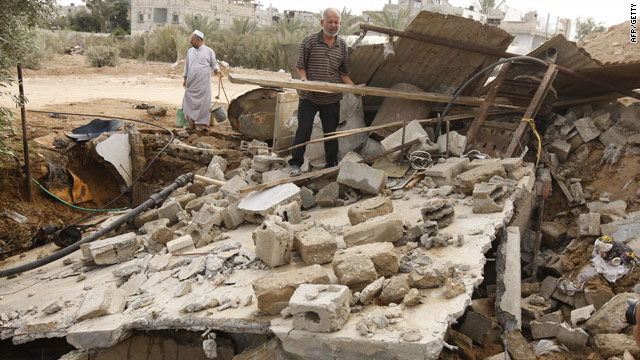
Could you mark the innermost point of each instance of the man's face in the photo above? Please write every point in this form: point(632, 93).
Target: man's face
point(331, 25)
point(195, 41)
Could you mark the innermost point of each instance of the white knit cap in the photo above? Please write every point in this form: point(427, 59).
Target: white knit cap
point(198, 33)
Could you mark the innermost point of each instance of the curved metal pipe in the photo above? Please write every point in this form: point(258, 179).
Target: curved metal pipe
point(154, 199)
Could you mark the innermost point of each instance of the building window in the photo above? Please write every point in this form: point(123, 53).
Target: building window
point(140, 17)
point(198, 16)
point(160, 15)
point(175, 18)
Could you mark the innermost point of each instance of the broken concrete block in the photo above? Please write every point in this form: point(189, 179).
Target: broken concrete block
point(547, 326)
point(181, 245)
point(184, 199)
point(576, 193)
point(320, 308)
point(289, 212)
point(274, 241)
point(351, 156)
point(426, 278)
point(383, 255)
point(610, 345)
point(308, 200)
point(262, 163)
point(327, 196)
point(561, 148)
point(614, 135)
point(480, 329)
point(453, 287)
point(446, 172)
point(573, 338)
point(112, 250)
point(315, 246)
point(528, 169)
point(274, 175)
point(170, 210)
point(99, 301)
point(468, 179)
point(609, 319)
point(369, 209)
point(220, 161)
point(587, 129)
point(548, 286)
point(508, 306)
point(196, 266)
point(488, 198)
point(395, 289)
point(158, 231)
point(207, 217)
point(234, 185)
point(589, 224)
point(380, 229)
point(232, 216)
point(362, 177)
point(413, 131)
point(438, 210)
point(598, 296)
point(354, 270)
point(371, 291)
point(603, 121)
point(518, 347)
point(582, 314)
point(511, 164)
point(457, 143)
point(274, 291)
point(553, 234)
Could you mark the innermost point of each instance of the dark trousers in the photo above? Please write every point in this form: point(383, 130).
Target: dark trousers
point(330, 116)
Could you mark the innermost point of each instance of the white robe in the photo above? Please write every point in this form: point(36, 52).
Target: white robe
point(196, 103)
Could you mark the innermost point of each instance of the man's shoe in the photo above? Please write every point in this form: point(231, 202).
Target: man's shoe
point(294, 170)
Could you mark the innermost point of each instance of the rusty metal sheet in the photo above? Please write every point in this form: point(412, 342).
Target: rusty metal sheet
point(436, 68)
point(253, 112)
point(626, 77)
point(570, 55)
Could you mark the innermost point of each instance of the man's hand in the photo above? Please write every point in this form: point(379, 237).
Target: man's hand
point(184, 82)
point(218, 73)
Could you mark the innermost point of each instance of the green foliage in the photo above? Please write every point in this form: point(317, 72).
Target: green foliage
point(16, 42)
point(393, 20)
point(588, 26)
point(83, 21)
point(206, 26)
point(486, 5)
point(243, 26)
point(163, 44)
point(103, 55)
point(349, 23)
point(39, 52)
point(108, 13)
point(132, 47)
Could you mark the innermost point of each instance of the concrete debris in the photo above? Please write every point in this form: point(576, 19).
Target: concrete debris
point(518, 347)
point(386, 228)
point(354, 270)
point(362, 177)
point(103, 300)
point(289, 212)
point(582, 314)
point(468, 179)
point(328, 195)
point(259, 204)
point(315, 246)
point(395, 289)
point(438, 210)
point(113, 250)
point(609, 345)
point(426, 278)
point(369, 209)
point(609, 319)
point(371, 291)
point(320, 308)
point(488, 197)
point(546, 326)
point(274, 291)
point(445, 173)
point(574, 339)
point(181, 245)
point(170, 210)
point(453, 287)
point(308, 200)
point(589, 224)
point(274, 241)
point(412, 131)
point(383, 255)
point(457, 143)
point(480, 328)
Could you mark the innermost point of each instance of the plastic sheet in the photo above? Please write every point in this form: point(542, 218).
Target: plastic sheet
point(546, 347)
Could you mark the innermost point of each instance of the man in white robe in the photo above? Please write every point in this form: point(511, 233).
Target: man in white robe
point(198, 63)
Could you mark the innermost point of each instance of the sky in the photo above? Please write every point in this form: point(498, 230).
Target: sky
point(610, 12)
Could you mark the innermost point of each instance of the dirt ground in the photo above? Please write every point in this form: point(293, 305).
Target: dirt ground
point(67, 85)
point(612, 45)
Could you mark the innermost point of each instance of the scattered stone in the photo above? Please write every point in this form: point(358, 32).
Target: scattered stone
point(518, 347)
point(395, 289)
point(412, 298)
point(103, 300)
point(561, 148)
point(113, 250)
point(354, 270)
point(386, 228)
point(371, 291)
point(609, 345)
point(369, 209)
point(196, 266)
point(170, 210)
point(426, 278)
point(308, 200)
point(438, 210)
point(328, 195)
point(574, 339)
point(412, 335)
point(383, 256)
point(181, 245)
point(587, 129)
point(609, 319)
point(547, 326)
point(52, 308)
point(453, 287)
point(315, 245)
point(274, 241)
point(582, 314)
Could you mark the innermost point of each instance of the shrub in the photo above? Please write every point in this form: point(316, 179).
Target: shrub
point(162, 44)
point(103, 55)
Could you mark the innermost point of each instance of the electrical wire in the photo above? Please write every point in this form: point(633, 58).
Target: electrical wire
point(473, 78)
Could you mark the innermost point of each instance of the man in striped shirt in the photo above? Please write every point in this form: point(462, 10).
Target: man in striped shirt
point(323, 56)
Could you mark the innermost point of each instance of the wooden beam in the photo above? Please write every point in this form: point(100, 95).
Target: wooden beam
point(482, 113)
point(533, 108)
point(328, 171)
point(325, 87)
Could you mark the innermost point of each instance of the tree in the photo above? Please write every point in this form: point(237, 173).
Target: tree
point(243, 26)
point(83, 21)
point(197, 22)
point(486, 5)
point(106, 12)
point(588, 26)
point(395, 20)
point(350, 23)
point(16, 40)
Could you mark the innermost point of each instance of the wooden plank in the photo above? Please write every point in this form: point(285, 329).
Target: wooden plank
point(482, 113)
point(325, 87)
point(331, 170)
point(533, 108)
point(286, 104)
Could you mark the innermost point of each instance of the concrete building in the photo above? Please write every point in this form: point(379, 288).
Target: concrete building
point(531, 31)
point(147, 15)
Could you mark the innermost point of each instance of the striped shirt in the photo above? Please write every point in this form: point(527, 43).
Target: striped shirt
point(323, 63)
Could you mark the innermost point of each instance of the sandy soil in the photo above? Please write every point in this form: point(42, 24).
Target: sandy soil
point(612, 45)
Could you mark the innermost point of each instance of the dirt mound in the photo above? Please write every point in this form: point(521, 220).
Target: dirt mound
point(611, 46)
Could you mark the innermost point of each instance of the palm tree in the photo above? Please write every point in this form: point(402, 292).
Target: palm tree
point(104, 11)
point(197, 22)
point(242, 26)
point(393, 20)
point(350, 23)
point(486, 5)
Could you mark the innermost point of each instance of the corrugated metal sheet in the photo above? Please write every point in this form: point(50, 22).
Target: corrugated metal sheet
point(625, 77)
point(570, 55)
point(436, 68)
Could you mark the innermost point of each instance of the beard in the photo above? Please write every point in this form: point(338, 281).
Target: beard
point(330, 34)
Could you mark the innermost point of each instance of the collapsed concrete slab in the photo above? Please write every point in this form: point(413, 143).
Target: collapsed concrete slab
point(468, 179)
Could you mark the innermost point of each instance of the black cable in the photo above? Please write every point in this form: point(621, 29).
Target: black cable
point(466, 83)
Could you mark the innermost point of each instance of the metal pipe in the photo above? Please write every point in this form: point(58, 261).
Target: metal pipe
point(25, 139)
point(487, 51)
point(154, 199)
